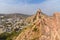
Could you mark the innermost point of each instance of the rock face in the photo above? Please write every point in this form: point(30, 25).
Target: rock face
point(43, 27)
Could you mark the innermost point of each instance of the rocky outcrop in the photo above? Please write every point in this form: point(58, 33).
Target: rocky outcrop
point(43, 27)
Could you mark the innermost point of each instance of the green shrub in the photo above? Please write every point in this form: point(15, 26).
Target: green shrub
point(9, 36)
point(35, 29)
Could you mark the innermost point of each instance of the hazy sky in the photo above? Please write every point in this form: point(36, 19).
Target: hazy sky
point(29, 6)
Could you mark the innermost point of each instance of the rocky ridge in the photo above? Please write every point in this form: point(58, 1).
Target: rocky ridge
point(42, 27)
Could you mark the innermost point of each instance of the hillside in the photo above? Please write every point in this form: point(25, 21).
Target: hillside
point(41, 27)
point(11, 25)
point(7, 21)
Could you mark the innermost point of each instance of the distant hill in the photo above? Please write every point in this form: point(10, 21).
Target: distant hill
point(11, 25)
point(15, 15)
point(11, 19)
